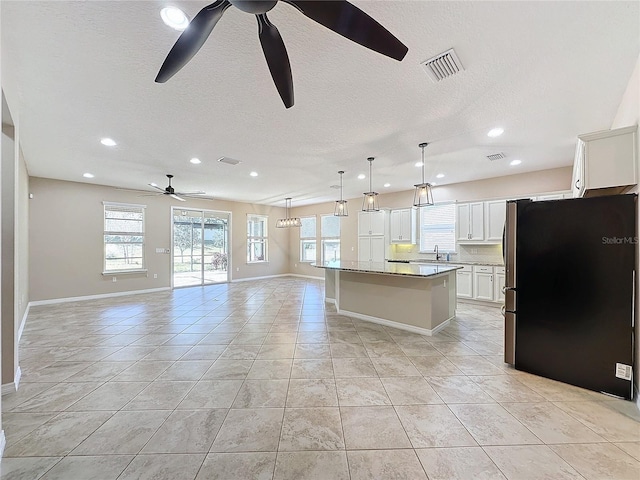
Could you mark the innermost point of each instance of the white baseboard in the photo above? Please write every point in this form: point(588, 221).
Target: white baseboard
point(96, 297)
point(391, 323)
point(23, 322)
point(13, 386)
point(3, 443)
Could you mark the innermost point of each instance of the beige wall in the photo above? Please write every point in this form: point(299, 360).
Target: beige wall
point(553, 180)
point(66, 239)
point(629, 114)
point(22, 243)
point(8, 213)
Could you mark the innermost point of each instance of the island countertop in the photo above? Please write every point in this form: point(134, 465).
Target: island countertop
point(386, 268)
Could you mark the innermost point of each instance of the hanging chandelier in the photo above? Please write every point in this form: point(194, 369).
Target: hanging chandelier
point(341, 205)
point(370, 200)
point(423, 195)
point(288, 221)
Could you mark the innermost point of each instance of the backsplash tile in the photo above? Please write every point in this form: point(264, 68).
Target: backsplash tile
point(466, 253)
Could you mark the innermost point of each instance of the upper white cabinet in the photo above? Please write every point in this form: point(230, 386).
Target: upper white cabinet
point(470, 222)
point(371, 248)
point(495, 213)
point(372, 238)
point(371, 223)
point(402, 225)
point(605, 160)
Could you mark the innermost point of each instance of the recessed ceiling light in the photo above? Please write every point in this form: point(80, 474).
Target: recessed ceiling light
point(433, 184)
point(195, 161)
point(88, 175)
point(495, 132)
point(386, 185)
point(362, 176)
point(109, 142)
point(419, 164)
point(440, 175)
point(515, 162)
point(254, 174)
point(175, 18)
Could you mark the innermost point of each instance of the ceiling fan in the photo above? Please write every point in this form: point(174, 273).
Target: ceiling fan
point(169, 190)
point(338, 15)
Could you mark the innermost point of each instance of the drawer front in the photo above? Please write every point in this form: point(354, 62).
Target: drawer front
point(500, 270)
point(465, 268)
point(483, 269)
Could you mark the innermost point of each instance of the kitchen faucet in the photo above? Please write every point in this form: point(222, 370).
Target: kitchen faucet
point(437, 254)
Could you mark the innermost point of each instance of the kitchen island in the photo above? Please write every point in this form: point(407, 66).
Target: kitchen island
point(418, 298)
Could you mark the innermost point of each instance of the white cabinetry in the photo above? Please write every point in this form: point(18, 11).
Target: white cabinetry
point(483, 283)
point(470, 222)
point(372, 237)
point(371, 249)
point(498, 284)
point(495, 213)
point(402, 226)
point(464, 281)
point(605, 160)
point(371, 223)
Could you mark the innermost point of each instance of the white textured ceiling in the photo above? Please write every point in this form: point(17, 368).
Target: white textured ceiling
point(74, 72)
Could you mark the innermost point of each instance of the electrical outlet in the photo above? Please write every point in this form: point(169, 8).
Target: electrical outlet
point(353, 249)
point(114, 279)
point(295, 265)
point(155, 275)
point(237, 269)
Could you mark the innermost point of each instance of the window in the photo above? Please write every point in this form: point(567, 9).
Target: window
point(123, 238)
point(438, 227)
point(257, 238)
point(308, 239)
point(330, 231)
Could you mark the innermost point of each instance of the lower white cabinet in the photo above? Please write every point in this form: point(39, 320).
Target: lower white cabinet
point(371, 249)
point(483, 283)
point(464, 281)
point(480, 282)
point(498, 284)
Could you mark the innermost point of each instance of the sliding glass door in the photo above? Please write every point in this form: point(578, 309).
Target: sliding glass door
point(200, 247)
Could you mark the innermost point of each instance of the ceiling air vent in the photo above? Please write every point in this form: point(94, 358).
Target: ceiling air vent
point(442, 66)
point(230, 161)
point(496, 156)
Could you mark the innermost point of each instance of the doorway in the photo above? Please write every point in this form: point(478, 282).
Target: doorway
point(200, 247)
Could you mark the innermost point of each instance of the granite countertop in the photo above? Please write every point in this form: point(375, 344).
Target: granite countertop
point(444, 262)
point(390, 268)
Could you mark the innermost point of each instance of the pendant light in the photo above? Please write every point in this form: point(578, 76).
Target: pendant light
point(288, 221)
point(423, 195)
point(341, 205)
point(370, 201)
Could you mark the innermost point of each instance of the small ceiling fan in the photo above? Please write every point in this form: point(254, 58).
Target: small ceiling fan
point(339, 16)
point(169, 190)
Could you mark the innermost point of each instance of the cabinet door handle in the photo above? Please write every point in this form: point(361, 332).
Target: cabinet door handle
point(503, 309)
point(578, 184)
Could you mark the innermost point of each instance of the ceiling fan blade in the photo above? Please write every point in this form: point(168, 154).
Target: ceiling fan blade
point(177, 197)
point(199, 192)
point(349, 21)
point(192, 39)
point(156, 187)
point(277, 58)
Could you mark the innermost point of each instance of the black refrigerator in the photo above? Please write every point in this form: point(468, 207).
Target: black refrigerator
point(569, 294)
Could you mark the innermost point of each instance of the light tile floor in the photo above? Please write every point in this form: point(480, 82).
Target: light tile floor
point(261, 380)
